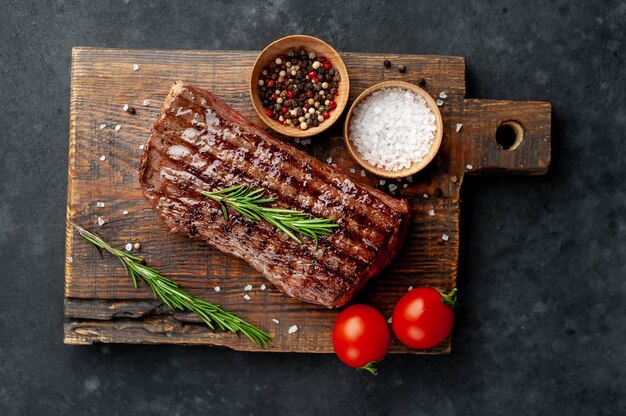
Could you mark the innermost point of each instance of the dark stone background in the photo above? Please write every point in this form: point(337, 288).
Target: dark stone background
point(541, 327)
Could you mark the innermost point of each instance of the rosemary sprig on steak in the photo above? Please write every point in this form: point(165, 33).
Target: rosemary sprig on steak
point(169, 292)
point(248, 202)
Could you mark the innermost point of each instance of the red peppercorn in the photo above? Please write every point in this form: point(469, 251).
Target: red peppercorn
point(293, 115)
point(325, 114)
point(289, 94)
point(284, 110)
point(306, 106)
point(312, 74)
point(315, 80)
point(270, 83)
point(269, 112)
point(274, 96)
point(332, 105)
point(322, 59)
point(327, 65)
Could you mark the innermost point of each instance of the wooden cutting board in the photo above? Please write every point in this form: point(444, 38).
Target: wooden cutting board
point(101, 304)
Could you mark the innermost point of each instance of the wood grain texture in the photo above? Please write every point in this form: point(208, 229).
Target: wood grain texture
point(102, 305)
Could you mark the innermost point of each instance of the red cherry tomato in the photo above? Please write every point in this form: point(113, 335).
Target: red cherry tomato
point(361, 337)
point(423, 317)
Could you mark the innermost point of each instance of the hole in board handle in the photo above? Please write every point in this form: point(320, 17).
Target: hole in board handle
point(509, 135)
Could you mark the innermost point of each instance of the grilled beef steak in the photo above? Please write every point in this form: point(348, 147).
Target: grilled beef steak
point(199, 143)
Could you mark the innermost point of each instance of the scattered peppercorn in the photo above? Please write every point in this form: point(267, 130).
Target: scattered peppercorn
point(300, 86)
point(131, 110)
point(438, 193)
point(387, 63)
point(421, 82)
point(402, 68)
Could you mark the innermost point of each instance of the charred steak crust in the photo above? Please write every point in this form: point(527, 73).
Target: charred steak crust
point(200, 143)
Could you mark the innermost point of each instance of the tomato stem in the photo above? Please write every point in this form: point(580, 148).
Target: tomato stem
point(370, 367)
point(448, 298)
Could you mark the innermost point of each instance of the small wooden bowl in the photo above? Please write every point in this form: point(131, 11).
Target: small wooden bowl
point(310, 44)
point(416, 166)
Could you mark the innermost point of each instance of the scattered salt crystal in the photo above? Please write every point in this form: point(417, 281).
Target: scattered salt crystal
point(135, 67)
point(141, 146)
point(393, 187)
point(410, 288)
point(293, 329)
point(217, 288)
point(352, 170)
point(306, 141)
point(146, 102)
point(118, 127)
point(128, 247)
point(443, 95)
point(458, 127)
point(246, 297)
point(125, 212)
point(263, 287)
point(296, 140)
point(409, 179)
point(469, 167)
point(425, 195)
point(103, 158)
point(125, 107)
point(390, 319)
point(103, 126)
point(329, 160)
point(382, 182)
point(101, 221)
point(439, 103)
point(248, 288)
point(362, 173)
point(393, 128)
point(445, 237)
point(100, 204)
point(276, 321)
point(431, 212)
point(334, 165)
point(70, 259)
point(406, 185)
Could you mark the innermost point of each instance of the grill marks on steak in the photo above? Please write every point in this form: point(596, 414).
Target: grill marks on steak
point(199, 143)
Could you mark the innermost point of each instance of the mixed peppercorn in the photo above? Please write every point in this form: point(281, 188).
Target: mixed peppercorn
point(299, 89)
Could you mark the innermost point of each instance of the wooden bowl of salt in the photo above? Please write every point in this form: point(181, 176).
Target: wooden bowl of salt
point(394, 129)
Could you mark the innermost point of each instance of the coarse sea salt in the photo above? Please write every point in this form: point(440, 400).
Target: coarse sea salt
point(247, 288)
point(217, 289)
point(263, 287)
point(393, 128)
point(293, 329)
point(276, 321)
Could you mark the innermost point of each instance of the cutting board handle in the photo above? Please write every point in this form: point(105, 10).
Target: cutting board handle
point(505, 137)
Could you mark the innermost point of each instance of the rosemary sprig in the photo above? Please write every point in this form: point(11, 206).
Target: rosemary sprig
point(169, 292)
point(248, 202)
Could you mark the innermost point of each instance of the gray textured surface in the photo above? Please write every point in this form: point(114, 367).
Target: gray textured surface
point(542, 324)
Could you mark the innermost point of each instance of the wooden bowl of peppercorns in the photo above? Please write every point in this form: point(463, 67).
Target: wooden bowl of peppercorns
point(299, 86)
